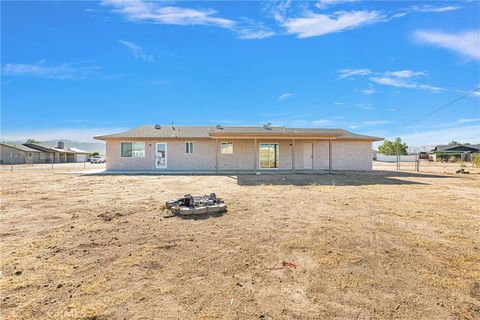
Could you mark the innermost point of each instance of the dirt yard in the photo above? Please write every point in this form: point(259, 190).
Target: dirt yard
point(380, 245)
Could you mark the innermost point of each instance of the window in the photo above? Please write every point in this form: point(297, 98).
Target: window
point(43, 156)
point(188, 147)
point(132, 149)
point(268, 155)
point(227, 148)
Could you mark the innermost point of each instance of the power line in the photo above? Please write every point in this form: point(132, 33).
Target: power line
point(444, 106)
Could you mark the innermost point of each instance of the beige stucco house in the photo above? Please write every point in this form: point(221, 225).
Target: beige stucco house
point(237, 149)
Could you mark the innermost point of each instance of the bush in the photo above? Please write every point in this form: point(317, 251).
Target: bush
point(452, 159)
point(476, 160)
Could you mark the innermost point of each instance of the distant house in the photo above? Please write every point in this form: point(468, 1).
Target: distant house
point(11, 153)
point(237, 148)
point(455, 151)
point(40, 153)
point(58, 154)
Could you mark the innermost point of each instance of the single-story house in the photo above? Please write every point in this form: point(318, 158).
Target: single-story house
point(457, 150)
point(14, 153)
point(237, 148)
point(59, 154)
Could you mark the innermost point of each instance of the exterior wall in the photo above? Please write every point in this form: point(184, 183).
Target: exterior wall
point(347, 155)
point(19, 156)
point(352, 155)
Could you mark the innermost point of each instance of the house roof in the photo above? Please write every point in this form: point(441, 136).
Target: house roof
point(47, 148)
point(457, 148)
point(169, 131)
point(76, 150)
point(20, 147)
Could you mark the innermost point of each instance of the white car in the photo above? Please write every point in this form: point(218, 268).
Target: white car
point(97, 159)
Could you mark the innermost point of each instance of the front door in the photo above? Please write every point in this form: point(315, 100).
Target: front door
point(161, 155)
point(307, 155)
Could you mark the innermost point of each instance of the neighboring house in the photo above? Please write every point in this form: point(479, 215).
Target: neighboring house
point(58, 154)
point(11, 153)
point(237, 148)
point(455, 150)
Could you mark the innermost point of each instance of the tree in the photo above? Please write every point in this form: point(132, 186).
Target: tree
point(394, 147)
point(454, 143)
point(32, 141)
point(95, 154)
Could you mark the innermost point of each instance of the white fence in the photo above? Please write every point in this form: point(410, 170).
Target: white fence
point(385, 158)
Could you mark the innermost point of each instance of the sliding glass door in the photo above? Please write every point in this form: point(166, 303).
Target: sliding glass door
point(268, 155)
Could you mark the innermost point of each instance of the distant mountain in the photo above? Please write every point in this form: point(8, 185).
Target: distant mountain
point(86, 146)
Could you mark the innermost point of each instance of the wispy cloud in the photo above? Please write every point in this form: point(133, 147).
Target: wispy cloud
point(401, 83)
point(314, 24)
point(404, 73)
point(466, 43)
point(154, 12)
point(369, 90)
point(364, 106)
point(430, 8)
point(347, 73)
point(285, 96)
point(254, 33)
point(322, 4)
point(322, 121)
point(64, 71)
point(399, 79)
point(468, 120)
point(137, 51)
point(339, 103)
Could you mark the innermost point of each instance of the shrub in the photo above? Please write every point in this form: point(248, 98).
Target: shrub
point(452, 159)
point(476, 160)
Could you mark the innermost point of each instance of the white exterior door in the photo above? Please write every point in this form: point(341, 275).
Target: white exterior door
point(307, 155)
point(161, 155)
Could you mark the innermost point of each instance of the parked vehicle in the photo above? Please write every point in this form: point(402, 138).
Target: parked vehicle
point(97, 159)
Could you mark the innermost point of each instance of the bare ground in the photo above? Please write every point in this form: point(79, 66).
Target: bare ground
point(380, 245)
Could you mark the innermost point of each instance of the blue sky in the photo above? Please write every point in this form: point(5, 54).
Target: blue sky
point(73, 69)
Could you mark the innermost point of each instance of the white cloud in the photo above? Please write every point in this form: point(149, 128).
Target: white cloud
point(364, 106)
point(401, 83)
point(468, 120)
point(153, 12)
point(254, 31)
point(339, 103)
point(65, 71)
point(370, 90)
point(313, 24)
point(137, 51)
point(322, 4)
point(285, 96)
point(81, 134)
point(323, 121)
point(347, 73)
point(391, 109)
point(466, 43)
point(404, 73)
point(430, 8)
point(375, 122)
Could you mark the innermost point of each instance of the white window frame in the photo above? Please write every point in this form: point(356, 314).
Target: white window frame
point(132, 142)
point(278, 159)
point(221, 145)
point(192, 149)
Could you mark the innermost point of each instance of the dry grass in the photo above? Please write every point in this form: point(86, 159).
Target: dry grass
point(378, 245)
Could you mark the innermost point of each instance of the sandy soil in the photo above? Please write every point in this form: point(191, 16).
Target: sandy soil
point(380, 245)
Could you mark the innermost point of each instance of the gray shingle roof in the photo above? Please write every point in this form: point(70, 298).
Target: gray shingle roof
point(457, 148)
point(20, 147)
point(168, 131)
